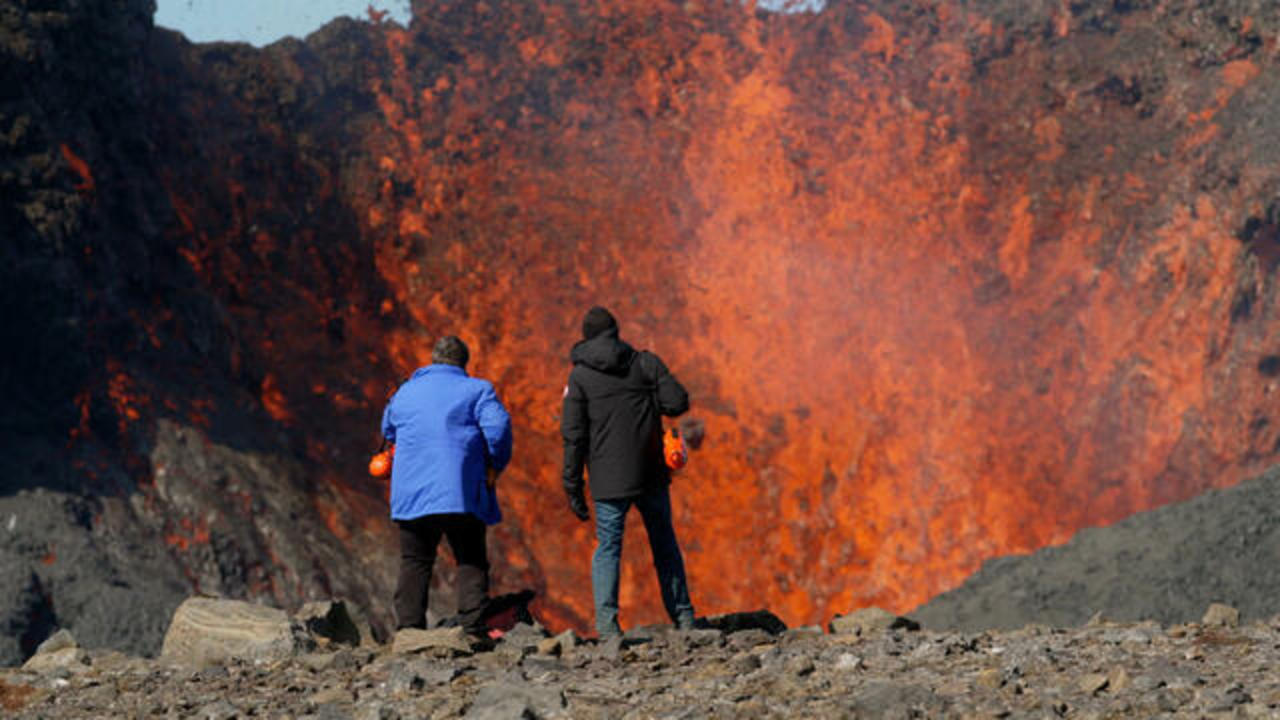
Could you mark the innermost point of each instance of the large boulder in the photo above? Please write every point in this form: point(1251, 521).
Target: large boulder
point(446, 641)
point(1221, 615)
point(210, 630)
point(58, 651)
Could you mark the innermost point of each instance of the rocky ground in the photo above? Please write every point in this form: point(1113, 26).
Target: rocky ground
point(868, 664)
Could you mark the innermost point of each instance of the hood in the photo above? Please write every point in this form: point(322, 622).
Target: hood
point(604, 352)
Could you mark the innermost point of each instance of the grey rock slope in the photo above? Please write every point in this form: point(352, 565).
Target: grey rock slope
point(1167, 565)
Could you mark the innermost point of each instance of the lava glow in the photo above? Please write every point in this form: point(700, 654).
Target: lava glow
point(929, 310)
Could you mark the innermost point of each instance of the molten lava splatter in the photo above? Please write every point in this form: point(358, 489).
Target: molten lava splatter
point(80, 168)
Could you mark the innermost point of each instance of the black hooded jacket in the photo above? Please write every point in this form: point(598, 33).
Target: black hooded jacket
point(611, 418)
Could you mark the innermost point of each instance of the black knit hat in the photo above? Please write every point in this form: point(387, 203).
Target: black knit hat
point(597, 321)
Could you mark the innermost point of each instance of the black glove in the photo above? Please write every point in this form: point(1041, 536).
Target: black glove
point(578, 504)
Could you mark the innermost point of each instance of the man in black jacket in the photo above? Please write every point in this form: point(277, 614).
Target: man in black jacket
point(612, 424)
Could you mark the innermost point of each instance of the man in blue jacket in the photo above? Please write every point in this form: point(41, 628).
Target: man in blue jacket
point(452, 439)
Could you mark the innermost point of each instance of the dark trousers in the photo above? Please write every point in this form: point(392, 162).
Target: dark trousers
point(418, 540)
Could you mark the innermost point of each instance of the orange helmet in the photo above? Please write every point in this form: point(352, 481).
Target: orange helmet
point(673, 449)
point(380, 464)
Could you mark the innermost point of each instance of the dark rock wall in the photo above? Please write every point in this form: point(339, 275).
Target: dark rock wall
point(137, 461)
point(71, 124)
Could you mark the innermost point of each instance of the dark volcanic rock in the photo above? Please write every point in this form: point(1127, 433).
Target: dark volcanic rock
point(109, 589)
point(1168, 565)
point(739, 621)
point(112, 353)
point(28, 616)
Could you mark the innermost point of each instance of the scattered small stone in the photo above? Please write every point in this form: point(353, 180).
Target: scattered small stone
point(1137, 635)
point(351, 658)
point(404, 679)
point(870, 619)
point(1118, 680)
point(500, 700)
point(503, 709)
point(66, 660)
point(802, 633)
point(1227, 700)
point(1219, 615)
point(743, 663)
point(1092, 683)
point(60, 640)
point(524, 635)
point(412, 640)
point(989, 679)
point(610, 648)
point(218, 710)
point(331, 695)
point(541, 666)
point(329, 711)
point(317, 662)
point(848, 662)
point(747, 639)
point(705, 637)
point(559, 645)
point(377, 711)
point(800, 666)
point(330, 619)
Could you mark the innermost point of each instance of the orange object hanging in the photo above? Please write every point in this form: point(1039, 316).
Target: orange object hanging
point(380, 464)
point(673, 449)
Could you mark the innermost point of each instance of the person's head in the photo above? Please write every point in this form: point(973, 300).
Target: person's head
point(597, 321)
point(450, 350)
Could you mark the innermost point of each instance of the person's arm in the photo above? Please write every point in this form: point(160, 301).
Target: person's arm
point(388, 427)
point(575, 428)
point(495, 424)
point(672, 398)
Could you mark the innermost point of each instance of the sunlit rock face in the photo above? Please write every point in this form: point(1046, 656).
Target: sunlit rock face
point(945, 280)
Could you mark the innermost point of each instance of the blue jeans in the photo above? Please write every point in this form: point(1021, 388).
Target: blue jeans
point(655, 511)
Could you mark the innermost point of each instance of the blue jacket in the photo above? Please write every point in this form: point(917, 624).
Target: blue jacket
point(447, 428)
